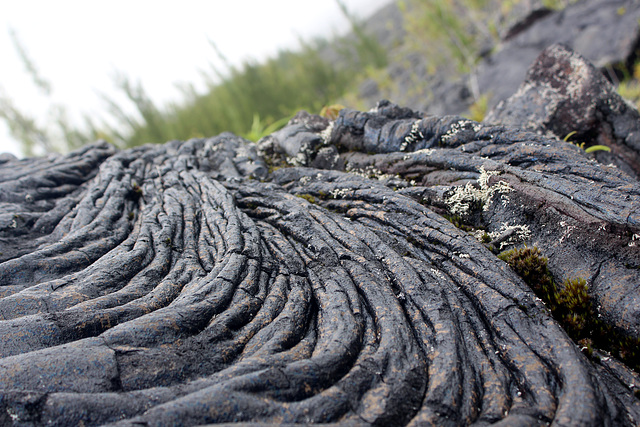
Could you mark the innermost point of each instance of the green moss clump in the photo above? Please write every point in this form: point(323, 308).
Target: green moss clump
point(308, 197)
point(531, 266)
point(274, 162)
point(571, 306)
point(458, 222)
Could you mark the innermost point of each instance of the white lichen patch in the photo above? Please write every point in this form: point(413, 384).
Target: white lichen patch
point(371, 172)
point(243, 152)
point(339, 193)
point(479, 235)
point(510, 234)
point(299, 159)
point(457, 127)
point(326, 134)
point(579, 74)
point(304, 180)
point(437, 273)
point(13, 415)
point(415, 134)
point(425, 151)
point(463, 198)
point(567, 229)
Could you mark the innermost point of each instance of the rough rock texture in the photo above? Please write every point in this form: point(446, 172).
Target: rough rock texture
point(196, 283)
point(551, 187)
point(563, 93)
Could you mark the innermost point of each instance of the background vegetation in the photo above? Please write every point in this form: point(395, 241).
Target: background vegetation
point(250, 100)
point(254, 99)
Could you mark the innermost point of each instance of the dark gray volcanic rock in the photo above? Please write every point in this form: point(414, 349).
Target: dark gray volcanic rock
point(187, 284)
point(564, 199)
point(605, 32)
point(563, 93)
point(313, 278)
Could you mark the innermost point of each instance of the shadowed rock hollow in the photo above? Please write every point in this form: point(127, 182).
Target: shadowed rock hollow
point(200, 282)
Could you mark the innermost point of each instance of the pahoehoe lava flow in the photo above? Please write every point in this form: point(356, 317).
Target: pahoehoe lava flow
point(190, 283)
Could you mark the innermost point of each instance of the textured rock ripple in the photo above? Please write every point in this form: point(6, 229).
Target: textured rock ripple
point(184, 284)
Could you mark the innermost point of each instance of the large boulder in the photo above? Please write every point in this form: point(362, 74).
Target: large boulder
point(565, 96)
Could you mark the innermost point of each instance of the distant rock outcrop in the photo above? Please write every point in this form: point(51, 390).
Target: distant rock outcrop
point(605, 32)
point(335, 272)
point(564, 95)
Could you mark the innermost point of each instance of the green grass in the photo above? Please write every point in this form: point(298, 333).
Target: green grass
point(454, 29)
point(629, 86)
point(251, 100)
point(478, 110)
point(256, 99)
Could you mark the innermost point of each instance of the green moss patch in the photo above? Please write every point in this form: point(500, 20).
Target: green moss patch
point(308, 197)
point(571, 306)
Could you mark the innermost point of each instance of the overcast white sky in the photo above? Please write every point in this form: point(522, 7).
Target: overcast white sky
point(78, 45)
